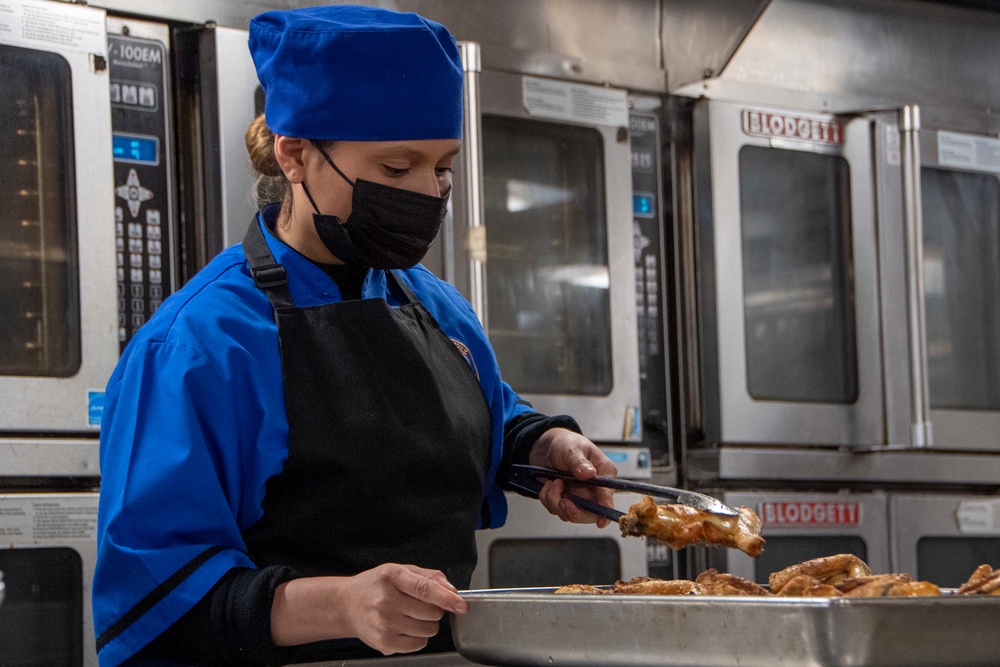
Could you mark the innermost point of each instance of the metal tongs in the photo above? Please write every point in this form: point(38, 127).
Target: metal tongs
point(526, 478)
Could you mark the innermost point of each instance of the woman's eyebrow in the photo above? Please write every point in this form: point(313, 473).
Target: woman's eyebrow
point(413, 153)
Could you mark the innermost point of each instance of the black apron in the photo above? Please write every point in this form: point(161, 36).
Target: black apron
point(388, 443)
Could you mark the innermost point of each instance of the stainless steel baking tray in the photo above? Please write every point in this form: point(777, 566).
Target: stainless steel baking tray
point(535, 627)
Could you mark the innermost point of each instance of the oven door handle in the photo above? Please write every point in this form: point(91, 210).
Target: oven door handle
point(472, 145)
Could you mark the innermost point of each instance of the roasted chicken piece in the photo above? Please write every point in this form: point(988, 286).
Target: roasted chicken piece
point(890, 585)
point(828, 570)
point(807, 586)
point(984, 581)
point(679, 526)
point(848, 585)
point(651, 586)
point(580, 589)
point(713, 582)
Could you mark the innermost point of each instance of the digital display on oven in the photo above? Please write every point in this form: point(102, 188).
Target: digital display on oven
point(136, 148)
point(643, 205)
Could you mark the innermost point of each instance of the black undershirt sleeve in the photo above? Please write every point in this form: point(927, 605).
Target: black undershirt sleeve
point(231, 625)
point(520, 435)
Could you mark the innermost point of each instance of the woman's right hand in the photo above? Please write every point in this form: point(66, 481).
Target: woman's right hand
point(393, 608)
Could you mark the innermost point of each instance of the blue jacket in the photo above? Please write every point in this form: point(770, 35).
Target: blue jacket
point(195, 424)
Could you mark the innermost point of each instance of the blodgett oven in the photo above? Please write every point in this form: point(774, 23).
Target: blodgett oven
point(790, 313)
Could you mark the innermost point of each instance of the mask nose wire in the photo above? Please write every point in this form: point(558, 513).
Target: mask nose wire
point(330, 162)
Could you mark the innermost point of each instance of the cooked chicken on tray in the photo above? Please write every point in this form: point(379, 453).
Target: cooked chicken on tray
point(984, 581)
point(679, 526)
point(842, 575)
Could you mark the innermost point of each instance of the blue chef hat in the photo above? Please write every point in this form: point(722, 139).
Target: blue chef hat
point(353, 73)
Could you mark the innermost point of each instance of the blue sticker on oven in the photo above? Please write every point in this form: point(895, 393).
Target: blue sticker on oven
point(95, 407)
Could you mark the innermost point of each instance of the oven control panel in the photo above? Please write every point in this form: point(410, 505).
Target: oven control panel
point(644, 132)
point(140, 120)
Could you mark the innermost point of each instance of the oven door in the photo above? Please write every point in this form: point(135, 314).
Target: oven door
point(802, 526)
point(549, 266)
point(944, 538)
point(50, 549)
point(58, 319)
point(535, 548)
point(790, 347)
point(959, 188)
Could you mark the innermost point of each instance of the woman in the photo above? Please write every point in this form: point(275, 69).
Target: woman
point(297, 449)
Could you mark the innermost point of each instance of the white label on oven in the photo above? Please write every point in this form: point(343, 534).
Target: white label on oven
point(965, 151)
point(979, 516)
point(53, 24)
point(893, 151)
point(48, 518)
point(575, 101)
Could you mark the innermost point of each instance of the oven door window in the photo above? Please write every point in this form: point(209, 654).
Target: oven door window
point(39, 277)
point(526, 563)
point(547, 271)
point(798, 291)
point(961, 214)
point(41, 618)
point(785, 550)
point(950, 561)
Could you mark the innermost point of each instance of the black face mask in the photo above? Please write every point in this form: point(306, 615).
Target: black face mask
point(388, 228)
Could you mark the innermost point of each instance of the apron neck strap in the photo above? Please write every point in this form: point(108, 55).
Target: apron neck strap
point(268, 275)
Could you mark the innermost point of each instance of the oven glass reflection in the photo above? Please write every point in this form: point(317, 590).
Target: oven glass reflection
point(39, 288)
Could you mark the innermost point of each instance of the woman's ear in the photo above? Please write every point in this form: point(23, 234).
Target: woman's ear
point(289, 153)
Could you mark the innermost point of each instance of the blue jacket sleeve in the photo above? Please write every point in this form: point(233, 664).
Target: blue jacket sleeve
point(177, 487)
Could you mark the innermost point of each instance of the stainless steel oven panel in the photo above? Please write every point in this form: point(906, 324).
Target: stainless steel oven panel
point(236, 86)
point(33, 520)
point(528, 519)
point(608, 417)
point(916, 516)
point(731, 413)
point(74, 403)
point(854, 515)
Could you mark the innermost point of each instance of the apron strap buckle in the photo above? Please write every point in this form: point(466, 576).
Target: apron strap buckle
point(269, 275)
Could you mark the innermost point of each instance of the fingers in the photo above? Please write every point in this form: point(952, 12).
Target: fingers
point(430, 587)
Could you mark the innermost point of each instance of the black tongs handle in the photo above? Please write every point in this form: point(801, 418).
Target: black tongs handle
point(525, 481)
point(681, 496)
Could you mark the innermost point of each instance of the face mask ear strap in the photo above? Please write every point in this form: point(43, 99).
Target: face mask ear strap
point(330, 162)
point(311, 201)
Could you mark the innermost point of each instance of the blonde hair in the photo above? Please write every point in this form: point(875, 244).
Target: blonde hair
point(271, 185)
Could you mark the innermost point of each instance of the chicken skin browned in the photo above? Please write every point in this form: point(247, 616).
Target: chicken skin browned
point(651, 586)
point(842, 575)
point(828, 570)
point(679, 526)
point(984, 581)
point(713, 582)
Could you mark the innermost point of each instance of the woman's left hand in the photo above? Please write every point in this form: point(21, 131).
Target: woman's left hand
point(563, 449)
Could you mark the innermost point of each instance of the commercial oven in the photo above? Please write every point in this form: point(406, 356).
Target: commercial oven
point(952, 265)
point(47, 563)
point(541, 242)
point(58, 331)
point(788, 295)
point(104, 121)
